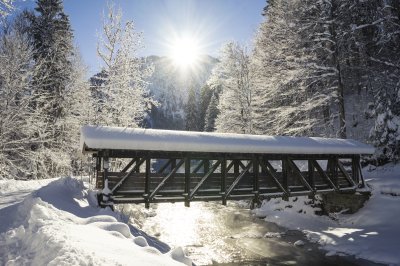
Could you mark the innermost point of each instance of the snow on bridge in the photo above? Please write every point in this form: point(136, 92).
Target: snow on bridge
point(95, 138)
point(170, 166)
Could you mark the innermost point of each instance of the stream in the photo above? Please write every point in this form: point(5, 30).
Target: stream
point(213, 234)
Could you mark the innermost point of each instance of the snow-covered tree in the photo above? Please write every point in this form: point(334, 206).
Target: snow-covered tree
point(205, 98)
point(22, 127)
point(6, 6)
point(124, 100)
point(236, 99)
point(280, 97)
point(192, 112)
point(53, 52)
point(384, 56)
point(211, 113)
point(308, 56)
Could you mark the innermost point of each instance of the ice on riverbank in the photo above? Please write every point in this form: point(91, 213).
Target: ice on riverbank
point(373, 233)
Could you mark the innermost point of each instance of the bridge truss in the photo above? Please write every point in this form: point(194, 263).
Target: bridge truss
point(163, 176)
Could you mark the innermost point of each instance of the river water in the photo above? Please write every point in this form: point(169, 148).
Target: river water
point(212, 234)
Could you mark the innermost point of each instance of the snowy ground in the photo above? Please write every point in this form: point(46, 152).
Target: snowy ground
point(55, 222)
point(58, 224)
point(373, 233)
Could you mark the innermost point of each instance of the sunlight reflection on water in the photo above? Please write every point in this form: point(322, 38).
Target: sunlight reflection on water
point(209, 232)
point(214, 234)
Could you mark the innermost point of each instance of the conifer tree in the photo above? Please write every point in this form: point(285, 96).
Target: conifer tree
point(205, 98)
point(385, 81)
point(192, 112)
point(211, 113)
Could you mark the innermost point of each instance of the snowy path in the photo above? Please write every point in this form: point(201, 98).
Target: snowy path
point(12, 191)
point(59, 224)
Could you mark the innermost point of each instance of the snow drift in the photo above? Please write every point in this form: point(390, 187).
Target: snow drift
point(58, 225)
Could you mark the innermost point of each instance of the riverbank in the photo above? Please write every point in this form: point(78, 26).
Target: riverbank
point(373, 233)
point(56, 222)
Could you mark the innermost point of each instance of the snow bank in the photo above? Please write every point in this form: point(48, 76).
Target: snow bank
point(99, 137)
point(56, 225)
point(373, 233)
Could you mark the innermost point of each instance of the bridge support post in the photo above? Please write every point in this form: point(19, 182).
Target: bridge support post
point(223, 180)
point(356, 171)
point(105, 198)
point(310, 178)
point(285, 176)
point(147, 184)
point(187, 182)
point(256, 185)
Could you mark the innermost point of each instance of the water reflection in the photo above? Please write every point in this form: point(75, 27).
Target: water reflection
point(214, 234)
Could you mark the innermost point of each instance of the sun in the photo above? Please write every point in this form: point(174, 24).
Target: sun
point(185, 52)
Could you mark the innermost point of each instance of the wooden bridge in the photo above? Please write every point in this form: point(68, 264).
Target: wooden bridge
point(150, 166)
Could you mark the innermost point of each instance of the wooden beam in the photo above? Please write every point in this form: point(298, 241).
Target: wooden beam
point(332, 171)
point(147, 183)
point(241, 164)
point(129, 164)
point(206, 165)
point(236, 167)
point(229, 167)
point(201, 182)
point(162, 183)
point(236, 181)
point(271, 172)
point(311, 175)
point(323, 174)
point(125, 177)
point(173, 163)
point(162, 168)
point(187, 181)
point(344, 172)
point(297, 171)
point(285, 176)
point(223, 180)
point(195, 170)
point(256, 184)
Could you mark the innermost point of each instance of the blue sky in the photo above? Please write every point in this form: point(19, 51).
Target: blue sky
point(212, 22)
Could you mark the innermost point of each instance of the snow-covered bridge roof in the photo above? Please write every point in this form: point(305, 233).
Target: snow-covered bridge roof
point(94, 138)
